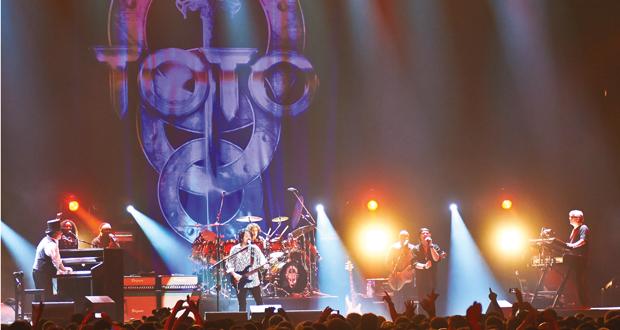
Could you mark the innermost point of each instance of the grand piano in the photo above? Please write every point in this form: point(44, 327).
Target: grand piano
point(96, 272)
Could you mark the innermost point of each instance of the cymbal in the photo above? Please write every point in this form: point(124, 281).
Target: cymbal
point(302, 230)
point(249, 218)
point(215, 224)
point(279, 219)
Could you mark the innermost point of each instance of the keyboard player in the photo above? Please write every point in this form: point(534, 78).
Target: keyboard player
point(578, 254)
point(47, 262)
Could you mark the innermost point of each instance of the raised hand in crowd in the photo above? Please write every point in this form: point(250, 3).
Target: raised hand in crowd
point(325, 314)
point(474, 315)
point(428, 304)
point(410, 308)
point(390, 303)
point(194, 308)
point(493, 307)
point(173, 314)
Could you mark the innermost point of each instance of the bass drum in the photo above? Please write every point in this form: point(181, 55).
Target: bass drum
point(293, 278)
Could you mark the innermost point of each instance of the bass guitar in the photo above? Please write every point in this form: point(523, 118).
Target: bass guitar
point(352, 305)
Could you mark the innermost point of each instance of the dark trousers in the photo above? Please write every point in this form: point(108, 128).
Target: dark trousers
point(579, 268)
point(425, 281)
point(43, 280)
point(242, 295)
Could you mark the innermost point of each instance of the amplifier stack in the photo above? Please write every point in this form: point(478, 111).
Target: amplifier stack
point(143, 294)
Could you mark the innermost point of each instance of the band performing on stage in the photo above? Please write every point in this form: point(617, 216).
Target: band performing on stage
point(281, 263)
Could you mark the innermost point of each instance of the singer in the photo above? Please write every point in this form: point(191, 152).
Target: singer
point(69, 238)
point(426, 255)
point(105, 239)
point(245, 260)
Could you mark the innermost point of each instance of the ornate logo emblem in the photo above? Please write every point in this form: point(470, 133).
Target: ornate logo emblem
point(229, 101)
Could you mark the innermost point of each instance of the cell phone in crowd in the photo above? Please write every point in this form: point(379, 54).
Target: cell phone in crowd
point(336, 311)
point(97, 315)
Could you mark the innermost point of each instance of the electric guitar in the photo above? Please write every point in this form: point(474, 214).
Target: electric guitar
point(403, 270)
point(352, 305)
point(246, 272)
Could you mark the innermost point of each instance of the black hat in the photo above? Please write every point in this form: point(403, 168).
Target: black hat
point(52, 226)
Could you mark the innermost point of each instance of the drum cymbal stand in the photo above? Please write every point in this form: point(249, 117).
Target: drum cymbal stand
point(310, 219)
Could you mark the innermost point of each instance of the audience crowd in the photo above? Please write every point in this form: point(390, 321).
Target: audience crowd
point(186, 316)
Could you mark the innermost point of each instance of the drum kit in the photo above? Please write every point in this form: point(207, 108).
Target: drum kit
point(292, 258)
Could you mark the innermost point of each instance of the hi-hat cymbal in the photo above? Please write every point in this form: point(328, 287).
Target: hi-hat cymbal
point(249, 218)
point(279, 219)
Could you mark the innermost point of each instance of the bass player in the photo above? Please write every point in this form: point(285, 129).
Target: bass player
point(246, 259)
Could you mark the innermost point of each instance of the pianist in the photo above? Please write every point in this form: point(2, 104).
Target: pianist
point(47, 261)
point(105, 239)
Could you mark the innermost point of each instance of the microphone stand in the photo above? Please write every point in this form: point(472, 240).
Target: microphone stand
point(218, 275)
point(306, 247)
point(303, 205)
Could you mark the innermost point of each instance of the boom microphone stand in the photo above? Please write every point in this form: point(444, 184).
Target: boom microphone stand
point(306, 248)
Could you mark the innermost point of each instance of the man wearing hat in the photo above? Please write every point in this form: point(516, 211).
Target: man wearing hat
point(47, 262)
point(105, 239)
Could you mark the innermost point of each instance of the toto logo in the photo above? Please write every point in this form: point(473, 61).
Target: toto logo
point(230, 101)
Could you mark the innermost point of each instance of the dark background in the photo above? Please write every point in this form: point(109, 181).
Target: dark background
point(420, 104)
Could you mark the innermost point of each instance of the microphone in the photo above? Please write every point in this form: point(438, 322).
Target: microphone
point(72, 234)
point(291, 189)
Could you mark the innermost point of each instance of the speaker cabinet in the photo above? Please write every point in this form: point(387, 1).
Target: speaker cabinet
point(58, 312)
point(101, 304)
point(139, 304)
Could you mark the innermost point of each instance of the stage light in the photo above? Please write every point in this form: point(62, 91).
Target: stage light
point(510, 240)
point(453, 207)
point(506, 204)
point(320, 208)
point(130, 208)
point(73, 205)
point(374, 239)
point(372, 205)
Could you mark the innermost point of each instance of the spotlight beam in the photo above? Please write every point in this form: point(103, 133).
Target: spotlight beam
point(469, 276)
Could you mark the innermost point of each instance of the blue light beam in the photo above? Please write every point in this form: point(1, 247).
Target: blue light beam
point(21, 250)
point(469, 276)
point(333, 278)
point(173, 249)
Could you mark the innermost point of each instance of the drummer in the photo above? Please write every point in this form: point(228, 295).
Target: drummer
point(255, 231)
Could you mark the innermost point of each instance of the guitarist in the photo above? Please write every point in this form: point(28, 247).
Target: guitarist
point(399, 260)
point(426, 255)
point(248, 258)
